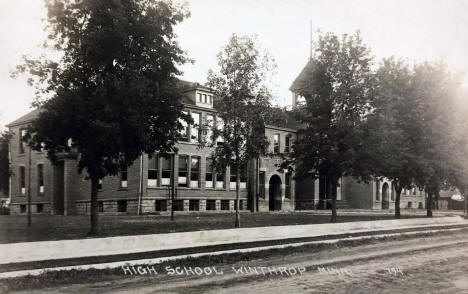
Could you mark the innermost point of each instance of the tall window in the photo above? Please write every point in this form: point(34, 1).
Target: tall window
point(194, 135)
point(22, 180)
point(276, 143)
point(183, 170)
point(194, 172)
point(123, 177)
point(209, 173)
point(243, 176)
point(287, 145)
point(220, 178)
point(40, 178)
point(199, 97)
point(153, 170)
point(208, 134)
point(21, 142)
point(184, 132)
point(166, 169)
point(233, 177)
point(288, 185)
point(205, 99)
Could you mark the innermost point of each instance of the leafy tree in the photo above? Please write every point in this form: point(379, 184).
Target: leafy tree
point(332, 139)
point(114, 91)
point(243, 99)
point(436, 92)
point(5, 171)
point(396, 127)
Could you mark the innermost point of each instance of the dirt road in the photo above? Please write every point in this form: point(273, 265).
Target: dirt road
point(437, 264)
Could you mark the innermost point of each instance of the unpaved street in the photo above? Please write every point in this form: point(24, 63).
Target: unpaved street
point(438, 264)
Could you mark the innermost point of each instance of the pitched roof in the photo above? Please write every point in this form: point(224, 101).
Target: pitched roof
point(25, 118)
point(303, 76)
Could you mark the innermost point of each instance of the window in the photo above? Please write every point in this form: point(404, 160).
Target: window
point(414, 191)
point(410, 204)
point(123, 177)
point(166, 169)
point(224, 204)
point(153, 162)
point(210, 204)
point(184, 131)
point(100, 184)
point(243, 177)
point(40, 208)
point(23, 208)
point(205, 99)
point(194, 172)
point(420, 205)
point(21, 142)
point(210, 101)
point(208, 130)
point(183, 171)
point(219, 127)
point(219, 179)
point(287, 145)
point(241, 205)
point(288, 185)
point(194, 205)
point(22, 180)
point(194, 135)
point(199, 97)
point(122, 206)
point(178, 205)
point(160, 205)
point(209, 173)
point(233, 178)
point(100, 206)
point(276, 143)
point(40, 178)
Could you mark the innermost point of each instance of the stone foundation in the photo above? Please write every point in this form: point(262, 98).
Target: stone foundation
point(16, 208)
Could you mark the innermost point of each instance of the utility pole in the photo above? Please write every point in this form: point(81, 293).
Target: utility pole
point(29, 188)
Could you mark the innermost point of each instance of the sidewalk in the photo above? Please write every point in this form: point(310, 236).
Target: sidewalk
point(70, 249)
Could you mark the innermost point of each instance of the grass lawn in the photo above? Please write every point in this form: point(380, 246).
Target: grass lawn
point(47, 227)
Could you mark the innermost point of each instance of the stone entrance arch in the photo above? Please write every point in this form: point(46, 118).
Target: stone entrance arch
point(385, 196)
point(274, 199)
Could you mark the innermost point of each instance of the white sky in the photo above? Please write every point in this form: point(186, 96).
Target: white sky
point(415, 29)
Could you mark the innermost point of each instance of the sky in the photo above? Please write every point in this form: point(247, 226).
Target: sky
point(416, 30)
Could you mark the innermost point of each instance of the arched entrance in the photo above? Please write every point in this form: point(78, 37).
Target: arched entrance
point(274, 200)
point(385, 196)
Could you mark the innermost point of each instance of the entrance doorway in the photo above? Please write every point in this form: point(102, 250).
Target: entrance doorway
point(274, 200)
point(58, 203)
point(385, 196)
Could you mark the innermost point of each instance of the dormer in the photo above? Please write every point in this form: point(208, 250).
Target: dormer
point(204, 98)
point(196, 94)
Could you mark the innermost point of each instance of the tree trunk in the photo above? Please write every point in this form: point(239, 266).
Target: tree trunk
point(429, 204)
point(436, 195)
point(237, 224)
point(398, 189)
point(333, 186)
point(94, 207)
